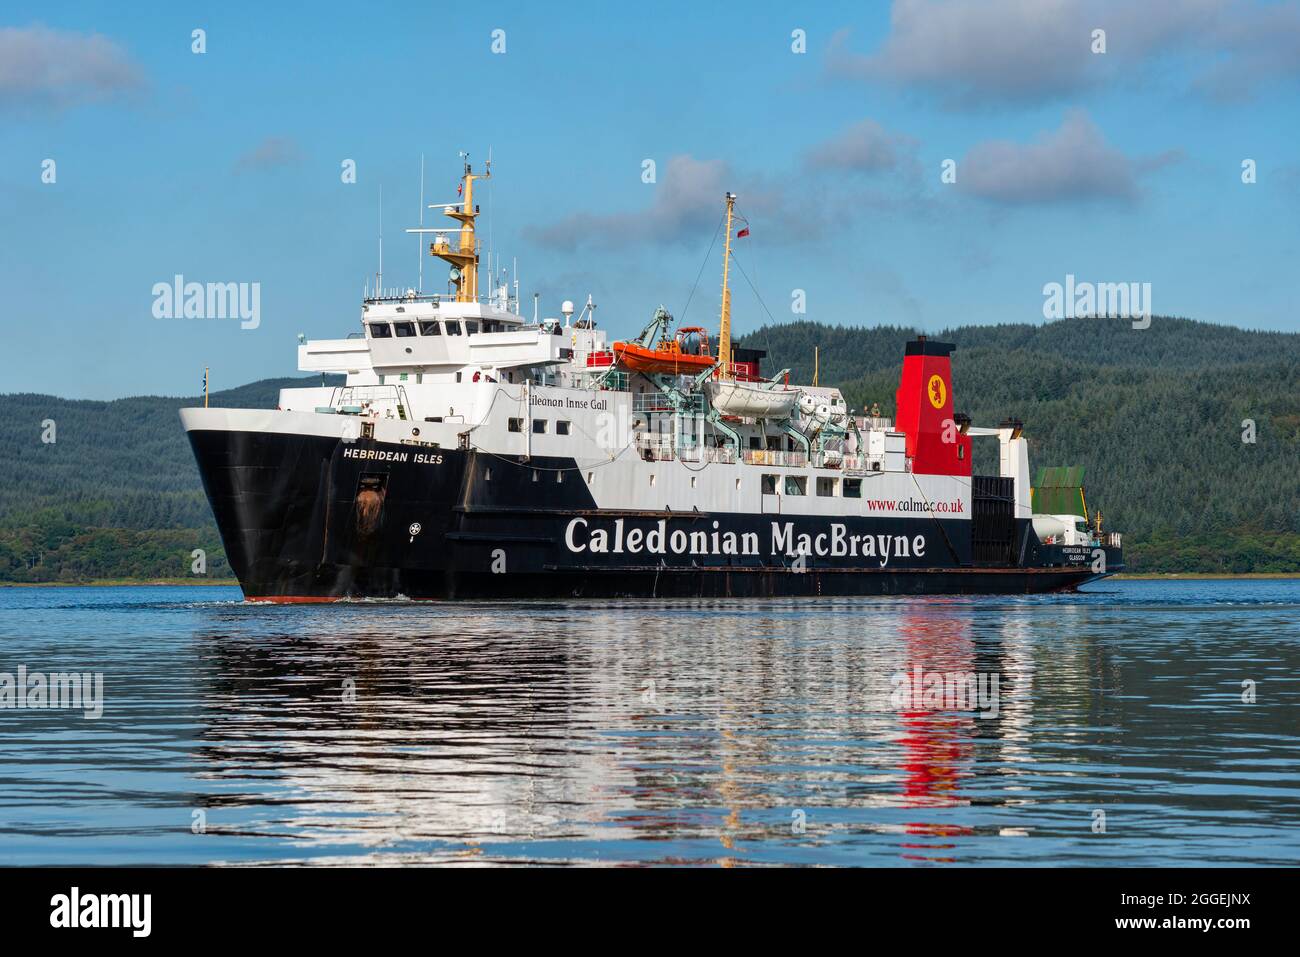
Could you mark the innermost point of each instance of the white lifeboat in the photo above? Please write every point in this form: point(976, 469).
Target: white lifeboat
point(756, 400)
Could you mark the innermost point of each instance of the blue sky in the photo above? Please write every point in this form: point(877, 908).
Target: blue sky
point(225, 166)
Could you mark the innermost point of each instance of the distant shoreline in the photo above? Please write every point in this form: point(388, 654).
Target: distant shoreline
point(232, 583)
point(119, 582)
point(1201, 576)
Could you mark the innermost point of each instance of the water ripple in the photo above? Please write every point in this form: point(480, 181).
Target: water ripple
point(712, 732)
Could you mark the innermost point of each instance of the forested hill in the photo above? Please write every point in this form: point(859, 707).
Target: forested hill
point(116, 494)
point(848, 352)
point(1154, 415)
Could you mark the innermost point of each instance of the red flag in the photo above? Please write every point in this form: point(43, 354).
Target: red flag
point(459, 187)
point(743, 233)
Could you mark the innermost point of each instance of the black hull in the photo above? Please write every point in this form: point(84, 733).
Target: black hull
point(289, 509)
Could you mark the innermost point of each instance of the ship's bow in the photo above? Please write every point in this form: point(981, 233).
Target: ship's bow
point(266, 475)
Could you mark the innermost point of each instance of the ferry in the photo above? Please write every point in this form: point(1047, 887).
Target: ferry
point(470, 453)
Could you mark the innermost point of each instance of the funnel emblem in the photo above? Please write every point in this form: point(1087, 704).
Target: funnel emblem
point(937, 391)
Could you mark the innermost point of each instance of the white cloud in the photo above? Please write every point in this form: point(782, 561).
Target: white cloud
point(271, 152)
point(866, 146)
point(974, 52)
point(1262, 48)
point(42, 68)
point(1072, 163)
point(684, 206)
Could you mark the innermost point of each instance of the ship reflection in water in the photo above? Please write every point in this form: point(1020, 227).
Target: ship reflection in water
point(1097, 728)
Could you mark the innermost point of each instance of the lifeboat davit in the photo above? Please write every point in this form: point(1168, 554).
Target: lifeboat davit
point(667, 356)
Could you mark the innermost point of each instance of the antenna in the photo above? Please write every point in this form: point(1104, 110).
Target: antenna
point(419, 242)
point(379, 276)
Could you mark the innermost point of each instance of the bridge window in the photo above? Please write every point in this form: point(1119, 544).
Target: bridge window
point(796, 485)
point(430, 327)
point(515, 425)
point(380, 330)
point(404, 330)
point(825, 486)
point(853, 488)
point(769, 484)
point(453, 327)
point(471, 327)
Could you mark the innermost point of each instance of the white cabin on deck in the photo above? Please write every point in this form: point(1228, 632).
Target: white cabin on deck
point(421, 352)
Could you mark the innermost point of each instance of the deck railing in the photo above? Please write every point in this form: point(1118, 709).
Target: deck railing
point(725, 455)
point(775, 457)
point(661, 447)
point(353, 399)
point(658, 402)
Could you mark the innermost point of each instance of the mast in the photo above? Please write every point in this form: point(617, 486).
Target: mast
point(724, 332)
point(464, 255)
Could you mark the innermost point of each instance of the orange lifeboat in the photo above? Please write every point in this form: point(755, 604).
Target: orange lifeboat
point(667, 356)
